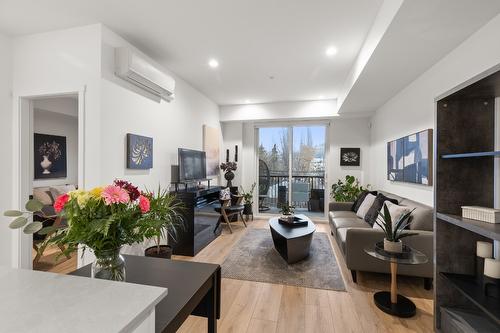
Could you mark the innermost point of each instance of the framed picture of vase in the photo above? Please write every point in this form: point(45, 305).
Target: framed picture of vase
point(49, 156)
point(139, 152)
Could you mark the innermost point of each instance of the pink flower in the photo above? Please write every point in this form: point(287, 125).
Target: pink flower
point(114, 194)
point(61, 202)
point(144, 204)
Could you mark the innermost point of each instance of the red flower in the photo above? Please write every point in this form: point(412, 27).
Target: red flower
point(132, 190)
point(144, 204)
point(61, 202)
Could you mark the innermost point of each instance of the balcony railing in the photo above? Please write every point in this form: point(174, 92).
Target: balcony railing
point(307, 190)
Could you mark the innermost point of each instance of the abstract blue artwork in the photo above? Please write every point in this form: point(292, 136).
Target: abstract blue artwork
point(139, 152)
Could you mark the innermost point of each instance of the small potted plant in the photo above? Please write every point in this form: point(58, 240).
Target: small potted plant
point(248, 199)
point(163, 220)
point(287, 211)
point(394, 231)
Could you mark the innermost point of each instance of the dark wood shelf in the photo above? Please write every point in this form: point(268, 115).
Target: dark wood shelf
point(486, 229)
point(470, 289)
point(468, 155)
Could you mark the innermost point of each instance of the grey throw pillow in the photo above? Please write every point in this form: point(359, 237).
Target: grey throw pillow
point(372, 213)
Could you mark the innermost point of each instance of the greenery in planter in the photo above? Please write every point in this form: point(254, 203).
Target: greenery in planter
point(164, 217)
point(248, 196)
point(287, 209)
point(347, 191)
point(394, 231)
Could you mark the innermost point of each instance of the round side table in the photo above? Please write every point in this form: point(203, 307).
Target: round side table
point(391, 302)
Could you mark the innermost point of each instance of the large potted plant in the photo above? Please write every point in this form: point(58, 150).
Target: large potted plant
point(161, 222)
point(394, 232)
point(102, 219)
point(346, 191)
point(248, 199)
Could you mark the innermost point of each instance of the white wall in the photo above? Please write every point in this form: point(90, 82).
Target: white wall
point(413, 108)
point(54, 123)
point(6, 139)
point(232, 135)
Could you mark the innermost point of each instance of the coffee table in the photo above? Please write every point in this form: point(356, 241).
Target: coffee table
point(292, 243)
point(391, 302)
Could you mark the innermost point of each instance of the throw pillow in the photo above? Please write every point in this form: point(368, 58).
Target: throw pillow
point(395, 211)
point(365, 205)
point(372, 213)
point(60, 190)
point(225, 194)
point(359, 200)
point(43, 195)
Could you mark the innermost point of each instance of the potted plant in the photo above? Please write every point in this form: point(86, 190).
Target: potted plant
point(346, 191)
point(163, 220)
point(287, 211)
point(228, 168)
point(248, 199)
point(102, 219)
point(394, 231)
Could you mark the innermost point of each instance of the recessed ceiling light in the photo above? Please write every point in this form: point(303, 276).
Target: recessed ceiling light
point(247, 101)
point(213, 63)
point(321, 97)
point(331, 51)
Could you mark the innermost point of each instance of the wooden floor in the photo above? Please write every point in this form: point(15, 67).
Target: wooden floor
point(257, 307)
point(263, 307)
point(52, 262)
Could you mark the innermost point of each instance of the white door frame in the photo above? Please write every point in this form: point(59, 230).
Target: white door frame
point(290, 125)
point(23, 160)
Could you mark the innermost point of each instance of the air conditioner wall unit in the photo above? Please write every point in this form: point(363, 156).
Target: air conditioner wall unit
point(140, 72)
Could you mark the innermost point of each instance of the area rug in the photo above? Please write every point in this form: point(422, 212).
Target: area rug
point(254, 258)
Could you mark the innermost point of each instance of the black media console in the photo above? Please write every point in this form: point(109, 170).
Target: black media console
point(200, 221)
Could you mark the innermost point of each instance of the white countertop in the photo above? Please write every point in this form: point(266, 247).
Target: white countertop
point(32, 301)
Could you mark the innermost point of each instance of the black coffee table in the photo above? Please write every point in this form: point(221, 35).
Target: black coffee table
point(193, 288)
point(292, 243)
point(392, 302)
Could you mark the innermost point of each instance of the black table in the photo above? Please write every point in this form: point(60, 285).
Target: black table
point(292, 243)
point(392, 302)
point(193, 288)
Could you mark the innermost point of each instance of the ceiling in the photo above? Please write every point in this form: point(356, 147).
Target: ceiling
point(268, 50)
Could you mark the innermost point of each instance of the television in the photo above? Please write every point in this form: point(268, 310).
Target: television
point(192, 164)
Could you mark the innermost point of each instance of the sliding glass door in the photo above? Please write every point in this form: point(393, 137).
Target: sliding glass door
point(292, 168)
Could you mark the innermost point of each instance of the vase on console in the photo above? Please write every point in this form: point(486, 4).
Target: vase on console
point(228, 168)
point(229, 176)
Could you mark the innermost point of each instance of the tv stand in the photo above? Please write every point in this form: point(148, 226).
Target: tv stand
point(200, 220)
point(187, 183)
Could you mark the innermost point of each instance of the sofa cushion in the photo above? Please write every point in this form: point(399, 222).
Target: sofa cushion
point(359, 200)
point(422, 216)
point(365, 206)
point(349, 222)
point(341, 213)
point(43, 195)
point(395, 211)
point(372, 214)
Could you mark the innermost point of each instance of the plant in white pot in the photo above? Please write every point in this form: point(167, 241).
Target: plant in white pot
point(394, 230)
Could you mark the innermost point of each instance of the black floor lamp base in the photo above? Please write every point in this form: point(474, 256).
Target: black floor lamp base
point(404, 308)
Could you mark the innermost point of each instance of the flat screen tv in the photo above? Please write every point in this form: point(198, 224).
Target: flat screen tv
point(192, 164)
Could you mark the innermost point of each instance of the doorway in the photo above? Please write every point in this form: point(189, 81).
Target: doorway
point(292, 168)
point(50, 162)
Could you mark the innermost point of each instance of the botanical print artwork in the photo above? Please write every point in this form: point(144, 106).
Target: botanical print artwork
point(350, 156)
point(139, 152)
point(211, 146)
point(49, 156)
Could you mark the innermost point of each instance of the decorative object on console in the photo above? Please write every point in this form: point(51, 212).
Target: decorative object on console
point(491, 279)
point(162, 221)
point(484, 214)
point(49, 156)
point(409, 159)
point(139, 152)
point(350, 156)
point(394, 232)
point(348, 191)
point(484, 250)
point(228, 168)
point(211, 146)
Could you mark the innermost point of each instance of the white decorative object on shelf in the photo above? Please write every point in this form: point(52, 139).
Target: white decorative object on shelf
point(484, 214)
point(492, 268)
point(484, 249)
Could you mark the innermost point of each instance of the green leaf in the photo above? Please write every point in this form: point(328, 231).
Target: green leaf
point(12, 213)
point(33, 227)
point(18, 223)
point(47, 230)
point(407, 234)
point(34, 205)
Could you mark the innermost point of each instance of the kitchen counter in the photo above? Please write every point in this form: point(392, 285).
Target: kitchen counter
point(32, 301)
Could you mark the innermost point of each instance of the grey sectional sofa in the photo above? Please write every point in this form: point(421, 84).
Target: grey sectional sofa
point(354, 234)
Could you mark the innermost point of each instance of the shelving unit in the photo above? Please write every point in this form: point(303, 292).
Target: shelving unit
point(465, 122)
point(469, 155)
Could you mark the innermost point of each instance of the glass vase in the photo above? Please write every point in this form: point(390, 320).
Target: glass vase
point(109, 265)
